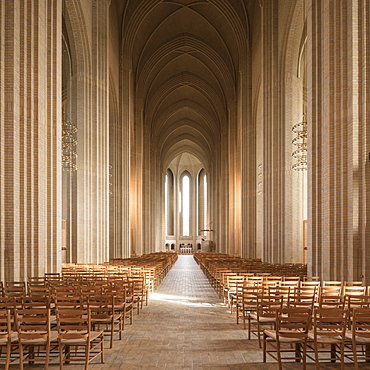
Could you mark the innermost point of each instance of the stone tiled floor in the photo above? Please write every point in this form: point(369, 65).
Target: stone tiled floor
point(186, 326)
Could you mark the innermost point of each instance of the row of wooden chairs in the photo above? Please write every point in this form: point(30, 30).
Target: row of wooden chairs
point(211, 262)
point(37, 337)
point(248, 300)
point(322, 334)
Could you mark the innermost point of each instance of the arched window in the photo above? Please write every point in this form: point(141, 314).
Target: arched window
point(202, 202)
point(185, 204)
point(169, 202)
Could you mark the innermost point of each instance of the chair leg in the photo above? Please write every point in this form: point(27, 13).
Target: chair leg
point(304, 354)
point(354, 350)
point(102, 351)
point(47, 356)
point(21, 354)
point(259, 334)
point(342, 355)
point(111, 333)
point(278, 354)
point(316, 356)
point(87, 355)
point(8, 352)
point(61, 357)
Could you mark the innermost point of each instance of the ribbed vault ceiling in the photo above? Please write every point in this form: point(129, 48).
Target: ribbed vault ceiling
point(185, 57)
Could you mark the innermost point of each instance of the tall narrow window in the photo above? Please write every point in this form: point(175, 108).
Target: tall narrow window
point(185, 205)
point(205, 200)
point(202, 202)
point(168, 203)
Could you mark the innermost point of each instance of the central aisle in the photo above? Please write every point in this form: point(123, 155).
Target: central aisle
point(185, 326)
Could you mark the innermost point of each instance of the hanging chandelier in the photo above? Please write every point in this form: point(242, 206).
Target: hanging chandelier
point(69, 143)
point(300, 143)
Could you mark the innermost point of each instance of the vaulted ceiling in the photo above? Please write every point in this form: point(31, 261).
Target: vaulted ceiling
point(185, 58)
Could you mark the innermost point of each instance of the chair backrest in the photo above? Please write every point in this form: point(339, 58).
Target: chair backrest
point(311, 278)
point(40, 291)
point(330, 321)
point(360, 323)
point(89, 291)
point(354, 290)
point(73, 323)
point(301, 301)
point(254, 280)
point(33, 324)
point(15, 289)
point(331, 290)
point(65, 290)
point(67, 302)
point(353, 283)
point(293, 322)
point(233, 281)
point(52, 276)
point(35, 302)
point(268, 305)
point(5, 326)
point(360, 301)
point(332, 283)
point(11, 304)
point(331, 301)
point(101, 307)
point(249, 296)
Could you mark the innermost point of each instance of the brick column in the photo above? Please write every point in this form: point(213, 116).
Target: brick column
point(30, 138)
point(338, 85)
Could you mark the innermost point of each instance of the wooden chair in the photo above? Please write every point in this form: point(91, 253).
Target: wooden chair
point(11, 304)
point(292, 326)
point(246, 304)
point(61, 301)
point(360, 335)
point(331, 297)
point(33, 327)
point(7, 337)
point(35, 302)
point(311, 278)
point(330, 285)
point(15, 289)
point(266, 313)
point(301, 301)
point(283, 291)
point(131, 297)
point(254, 280)
point(105, 317)
point(38, 291)
point(233, 281)
point(331, 301)
point(307, 291)
point(121, 305)
point(353, 283)
point(329, 329)
point(88, 291)
point(35, 282)
point(51, 277)
point(358, 301)
point(74, 331)
point(354, 290)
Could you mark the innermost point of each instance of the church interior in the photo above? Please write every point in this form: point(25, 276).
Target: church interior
point(163, 130)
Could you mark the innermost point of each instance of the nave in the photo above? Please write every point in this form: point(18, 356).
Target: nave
point(186, 326)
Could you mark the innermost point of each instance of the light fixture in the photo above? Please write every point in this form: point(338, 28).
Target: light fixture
point(69, 143)
point(300, 142)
